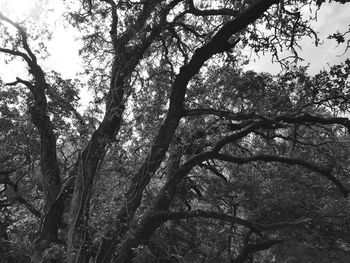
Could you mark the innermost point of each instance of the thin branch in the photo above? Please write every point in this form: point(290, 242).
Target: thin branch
point(280, 225)
point(114, 25)
point(213, 170)
point(28, 205)
point(253, 226)
point(188, 28)
point(220, 113)
point(23, 35)
point(162, 216)
point(28, 84)
point(326, 172)
point(307, 118)
point(15, 53)
point(218, 44)
point(210, 12)
point(252, 248)
point(5, 179)
point(240, 134)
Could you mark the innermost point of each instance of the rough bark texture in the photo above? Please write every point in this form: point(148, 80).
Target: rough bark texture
point(218, 44)
point(50, 173)
point(51, 182)
point(130, 47)
point(126, 59)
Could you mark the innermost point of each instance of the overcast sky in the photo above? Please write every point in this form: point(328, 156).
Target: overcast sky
point(331, 17)
point(65, 59)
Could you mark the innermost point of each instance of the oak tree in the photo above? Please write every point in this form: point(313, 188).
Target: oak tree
point(182, 156)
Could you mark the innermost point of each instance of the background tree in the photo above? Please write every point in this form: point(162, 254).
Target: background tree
point(179, 142)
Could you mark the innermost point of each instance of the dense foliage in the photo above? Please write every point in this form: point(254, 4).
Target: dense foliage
point(181, 155)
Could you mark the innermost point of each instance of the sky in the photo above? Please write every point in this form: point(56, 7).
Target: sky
point(63, 46)
point(65, 43)
point(330, 18)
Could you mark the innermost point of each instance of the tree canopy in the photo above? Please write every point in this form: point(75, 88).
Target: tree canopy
point(181, 155)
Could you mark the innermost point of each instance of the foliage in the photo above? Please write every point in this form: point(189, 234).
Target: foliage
point(181, 155)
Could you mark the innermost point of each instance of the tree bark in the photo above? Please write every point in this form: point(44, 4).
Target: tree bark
point(126, 59)
point(148, 225)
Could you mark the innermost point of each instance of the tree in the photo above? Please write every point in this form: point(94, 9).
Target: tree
point(187, 142)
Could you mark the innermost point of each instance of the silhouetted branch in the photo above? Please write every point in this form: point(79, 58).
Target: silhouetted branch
point(28, 205)
point(220, 113)
point(24, 38)
point(308, 118)
point(249, 249)
point(15, 53)
point(326, 172)
point(28, 84)
point(255, 227)
point(167, 215)
point(213, 170)
point(210, 12)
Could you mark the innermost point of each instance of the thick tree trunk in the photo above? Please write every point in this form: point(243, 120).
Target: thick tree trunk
point(91, 156)
point(93, 153)
point(50, 173)
point(111, 124)
point(148, 224)
point(128, 55)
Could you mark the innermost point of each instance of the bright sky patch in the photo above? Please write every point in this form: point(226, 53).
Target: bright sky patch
point(18, 10)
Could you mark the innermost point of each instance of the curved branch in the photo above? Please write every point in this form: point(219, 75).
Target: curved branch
point(15, 53)
point(5, 179)
point(249, 249)
point(210, 12)
point(279, 225)
point(240, 134)
point(27, 83)
point(326, 172)
point(308, 118)
point(162, 216)
point(253, 226)
point(24, 38)
point(48, 156)
point(219, 43)
point(213, 170)
point(220, 113)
